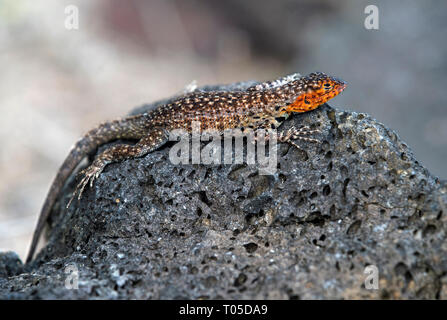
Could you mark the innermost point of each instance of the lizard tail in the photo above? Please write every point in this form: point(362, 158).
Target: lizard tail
point(77, 153)
point(104, 133)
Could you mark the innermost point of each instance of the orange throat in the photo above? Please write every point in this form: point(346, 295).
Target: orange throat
point(311, 100)
point(303, 103)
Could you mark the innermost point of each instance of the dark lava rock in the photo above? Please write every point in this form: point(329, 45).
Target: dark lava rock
point(10, 264)
point(149, 229)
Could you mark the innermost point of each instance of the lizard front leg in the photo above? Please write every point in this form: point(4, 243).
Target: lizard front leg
point(286, 136)
point(150, 142)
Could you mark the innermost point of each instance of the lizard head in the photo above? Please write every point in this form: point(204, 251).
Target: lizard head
point(313, 90)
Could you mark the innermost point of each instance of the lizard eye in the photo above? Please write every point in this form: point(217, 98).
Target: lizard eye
point(327, 86)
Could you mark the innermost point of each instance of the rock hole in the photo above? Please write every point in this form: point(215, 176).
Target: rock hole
point(240, 280)
point(332, 210)
point(282, 178)
point(251, 247)
point(354, 227)
point(363, 192)
point(191, 174)
point(429, 230)
point(326, 190)
point(204, 198)
point(207, 173)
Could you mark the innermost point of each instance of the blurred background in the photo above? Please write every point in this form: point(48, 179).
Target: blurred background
point(56, 83)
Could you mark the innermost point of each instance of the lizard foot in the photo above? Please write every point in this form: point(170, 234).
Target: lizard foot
point(89, 175)
point(301, 134)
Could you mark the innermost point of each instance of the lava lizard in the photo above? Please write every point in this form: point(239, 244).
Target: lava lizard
point(262, 106)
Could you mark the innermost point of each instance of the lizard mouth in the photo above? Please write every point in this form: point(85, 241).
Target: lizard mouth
point(342, 86)
point(338, 88)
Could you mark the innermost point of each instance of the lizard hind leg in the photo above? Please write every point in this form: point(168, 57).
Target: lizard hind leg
point(148, 143)
point(297, 134)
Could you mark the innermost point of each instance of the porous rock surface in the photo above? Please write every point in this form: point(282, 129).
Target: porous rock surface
point(149, 229)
